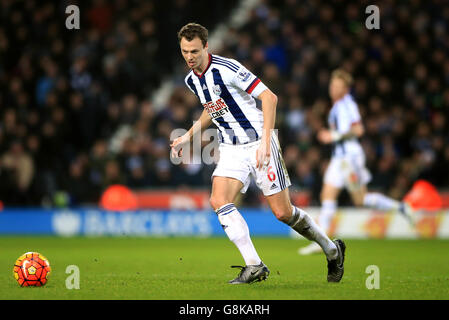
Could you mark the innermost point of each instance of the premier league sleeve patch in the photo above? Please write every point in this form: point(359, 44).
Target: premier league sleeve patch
point(244, 75)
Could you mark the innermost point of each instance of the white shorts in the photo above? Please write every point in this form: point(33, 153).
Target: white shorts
point(239, 162)
point(347, 171)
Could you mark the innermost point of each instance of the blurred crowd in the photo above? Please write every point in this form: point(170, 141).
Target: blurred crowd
point(77, 113)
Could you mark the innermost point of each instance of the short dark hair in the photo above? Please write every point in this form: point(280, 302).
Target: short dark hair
point(192, 30)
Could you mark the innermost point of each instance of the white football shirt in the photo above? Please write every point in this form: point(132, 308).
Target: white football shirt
point(227, 90)
point(343, 115)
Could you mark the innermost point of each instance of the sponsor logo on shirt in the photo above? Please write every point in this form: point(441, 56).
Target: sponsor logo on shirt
point(216, 109)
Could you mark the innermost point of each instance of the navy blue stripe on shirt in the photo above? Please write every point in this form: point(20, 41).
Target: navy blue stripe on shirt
point(234, 107)
point(192, 86)
point(203, 86)
point(223, 59)
point(224, 65)
point(228, 130)
point(218, 59)
point(220, 135)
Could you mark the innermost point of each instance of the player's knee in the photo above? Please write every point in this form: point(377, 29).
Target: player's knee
point(357, 199)
point(328, 193)
point(217, 202)
point(282, 214)
point(358, 202)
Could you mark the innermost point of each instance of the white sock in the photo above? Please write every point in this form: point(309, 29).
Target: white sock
point(328, 210)
point(302, 223)
point(380, 202)
point(237, 231)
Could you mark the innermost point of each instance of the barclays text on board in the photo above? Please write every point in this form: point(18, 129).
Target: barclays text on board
point(93, 222)
point(348, 223)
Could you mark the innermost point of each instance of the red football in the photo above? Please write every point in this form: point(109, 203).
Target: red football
point(31, 269)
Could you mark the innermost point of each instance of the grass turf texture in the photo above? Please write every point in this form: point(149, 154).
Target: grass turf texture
point(195, 268)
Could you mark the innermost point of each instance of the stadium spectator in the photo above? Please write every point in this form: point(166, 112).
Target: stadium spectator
point(17, 173)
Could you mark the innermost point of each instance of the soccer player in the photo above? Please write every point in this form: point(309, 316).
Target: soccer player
point(347, 165)
point(248, 147)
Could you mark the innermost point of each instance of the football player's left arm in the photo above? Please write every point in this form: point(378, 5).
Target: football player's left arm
point(269, 103)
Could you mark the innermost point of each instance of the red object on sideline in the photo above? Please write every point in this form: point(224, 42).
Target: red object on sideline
point(424, 195)
point(173, 199)
point(118, 198)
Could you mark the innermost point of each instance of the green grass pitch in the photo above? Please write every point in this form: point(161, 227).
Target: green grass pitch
point(199, 268)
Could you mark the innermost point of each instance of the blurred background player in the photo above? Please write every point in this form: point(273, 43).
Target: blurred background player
point(347, 168)
point(248, 147)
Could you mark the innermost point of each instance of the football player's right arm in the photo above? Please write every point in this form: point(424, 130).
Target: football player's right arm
point(356, 130)
point(329, 136)
point(203, 122)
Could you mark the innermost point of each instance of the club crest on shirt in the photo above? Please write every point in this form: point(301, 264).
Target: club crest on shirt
point(217, 89)
point(244, 75)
